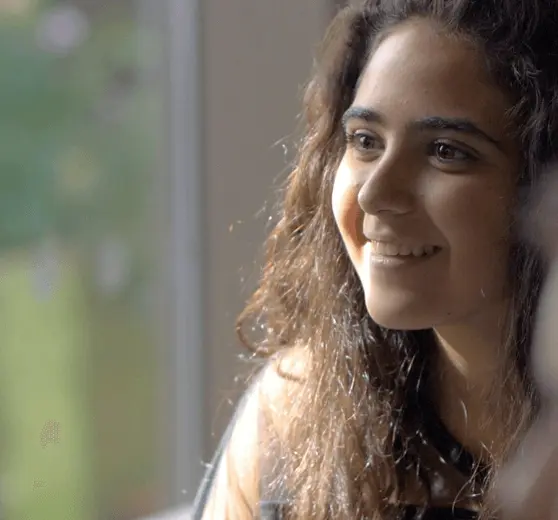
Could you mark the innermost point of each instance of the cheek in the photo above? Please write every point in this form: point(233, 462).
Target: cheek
point(347, 212)
point(475, 219)
point(478, 215)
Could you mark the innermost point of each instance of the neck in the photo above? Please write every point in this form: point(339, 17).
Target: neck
point(469, 372)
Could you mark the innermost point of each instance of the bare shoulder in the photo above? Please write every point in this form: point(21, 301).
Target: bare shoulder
point(282, 377)
point(235, 490)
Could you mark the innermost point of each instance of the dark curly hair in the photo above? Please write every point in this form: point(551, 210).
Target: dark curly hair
point(352, 428)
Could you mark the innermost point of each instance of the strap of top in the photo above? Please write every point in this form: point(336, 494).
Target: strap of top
point(202, 495)
point(435, 433)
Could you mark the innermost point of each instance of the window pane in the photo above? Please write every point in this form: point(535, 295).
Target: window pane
point(80, 175)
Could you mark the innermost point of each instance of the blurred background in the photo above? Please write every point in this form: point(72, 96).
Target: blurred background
point(141, 142)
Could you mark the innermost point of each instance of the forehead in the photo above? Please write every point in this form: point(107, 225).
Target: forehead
point(419, 71)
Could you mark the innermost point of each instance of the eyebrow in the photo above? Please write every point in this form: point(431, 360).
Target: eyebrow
point(427, 123)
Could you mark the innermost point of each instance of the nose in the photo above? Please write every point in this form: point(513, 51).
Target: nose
point(388, 188)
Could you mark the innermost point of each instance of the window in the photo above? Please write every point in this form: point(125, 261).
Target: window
point(90, 252)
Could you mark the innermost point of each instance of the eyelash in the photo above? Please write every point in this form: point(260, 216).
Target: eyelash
point(467, 156)
point(351, 138)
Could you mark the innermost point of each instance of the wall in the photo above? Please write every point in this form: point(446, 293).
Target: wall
point(257, 57)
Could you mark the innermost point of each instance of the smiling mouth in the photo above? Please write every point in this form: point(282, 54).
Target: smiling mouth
point(390, 249)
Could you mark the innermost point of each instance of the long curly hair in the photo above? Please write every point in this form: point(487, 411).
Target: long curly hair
point(351, 428)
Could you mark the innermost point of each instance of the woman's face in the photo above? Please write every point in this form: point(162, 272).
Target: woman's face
point(423, 193)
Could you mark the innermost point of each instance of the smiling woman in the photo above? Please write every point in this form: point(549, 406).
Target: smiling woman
point(421, 154)
point(398, 298)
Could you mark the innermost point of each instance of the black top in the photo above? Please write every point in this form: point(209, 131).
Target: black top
point(449, 449)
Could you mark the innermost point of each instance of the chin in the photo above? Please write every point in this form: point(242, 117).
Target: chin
point(400, 317)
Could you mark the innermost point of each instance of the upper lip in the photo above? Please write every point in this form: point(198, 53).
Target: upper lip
point(398, 241)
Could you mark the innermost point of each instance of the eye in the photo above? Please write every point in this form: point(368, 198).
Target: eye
point(363, 143)
point(448, 153)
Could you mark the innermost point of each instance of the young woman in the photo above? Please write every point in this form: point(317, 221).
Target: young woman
point(398, 298)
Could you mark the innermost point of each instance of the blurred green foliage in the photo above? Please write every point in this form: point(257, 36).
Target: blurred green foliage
point(75, 147)
point(36, 109)
point(79, 152)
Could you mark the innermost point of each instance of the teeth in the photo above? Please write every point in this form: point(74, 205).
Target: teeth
point(385, 249)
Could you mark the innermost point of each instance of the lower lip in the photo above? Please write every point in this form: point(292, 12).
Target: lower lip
point(397, 261)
